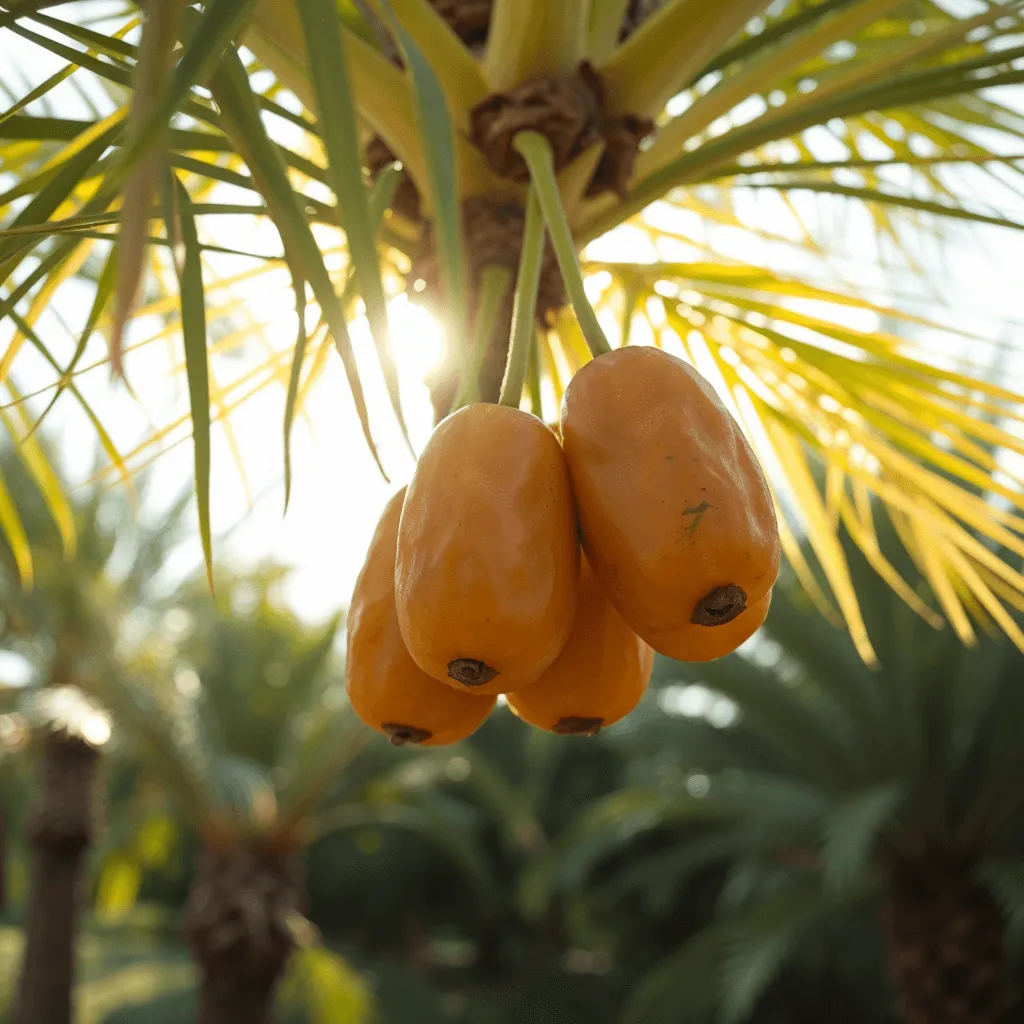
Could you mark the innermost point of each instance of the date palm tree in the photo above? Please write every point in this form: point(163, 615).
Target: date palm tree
point(513, 121)
point(826, 787)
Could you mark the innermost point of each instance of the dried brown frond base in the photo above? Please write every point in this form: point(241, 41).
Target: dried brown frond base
point(570, 113)
point(637, 12)
point(494, 235)
point(406, 200)
point(565, 110)
point(946, 943)
point(468, 19)
point(622, 137)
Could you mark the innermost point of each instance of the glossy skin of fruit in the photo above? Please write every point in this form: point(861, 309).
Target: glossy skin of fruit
point(388, 690)
point(699, 643)
point(598, 678)
point(675, 515)
point(488, 551)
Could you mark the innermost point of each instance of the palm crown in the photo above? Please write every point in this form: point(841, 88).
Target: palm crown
point(509, 117)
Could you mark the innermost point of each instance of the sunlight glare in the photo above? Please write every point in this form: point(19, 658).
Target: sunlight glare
point(420, 342)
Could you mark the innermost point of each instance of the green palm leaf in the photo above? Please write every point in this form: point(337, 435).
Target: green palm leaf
point(193, 329)
point(759, 946)
point(682, 987)
point(851, 832)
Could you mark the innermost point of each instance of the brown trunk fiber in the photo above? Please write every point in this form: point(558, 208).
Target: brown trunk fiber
point(468, 19)
point(238, 926)
point(3, 861)
point(234, 1000)
point(493, 235)
point(946, 944)
point(62, 823)
point(637, 12)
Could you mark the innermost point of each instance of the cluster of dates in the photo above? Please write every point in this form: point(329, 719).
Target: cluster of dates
point(551, 568)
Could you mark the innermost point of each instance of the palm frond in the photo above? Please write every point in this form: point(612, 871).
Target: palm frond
point(327, 988)
point(178, 753)
point(851, 833)
point(1005, 880)
point(726, 967)
point(600, 830)
point(759, 947)
point(430, 823)
point(682, 987)
point(802, 727)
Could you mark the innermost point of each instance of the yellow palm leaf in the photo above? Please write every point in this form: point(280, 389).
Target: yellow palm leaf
point(832, 363)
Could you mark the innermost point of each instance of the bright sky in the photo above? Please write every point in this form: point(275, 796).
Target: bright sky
point(337, 490)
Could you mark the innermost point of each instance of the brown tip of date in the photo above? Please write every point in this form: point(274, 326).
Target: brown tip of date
point(720, 606)
point(470, 672)
point(399, 735)
point(578, 726)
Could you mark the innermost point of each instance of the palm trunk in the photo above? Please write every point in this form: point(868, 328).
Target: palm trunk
point(63, 820)
point(239, 927)
point(3, 862)
point(946, 944)
point(233, 1000)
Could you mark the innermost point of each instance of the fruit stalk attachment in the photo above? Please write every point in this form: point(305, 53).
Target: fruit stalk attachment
point(536, 151)
point(524, 304)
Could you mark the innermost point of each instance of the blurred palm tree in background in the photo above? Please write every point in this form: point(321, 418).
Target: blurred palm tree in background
point(251, 739)
point(821, 787)
point(667, 118)
point(69, 629)
point(229, 725)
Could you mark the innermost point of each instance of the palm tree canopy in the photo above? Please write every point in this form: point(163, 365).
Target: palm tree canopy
point(208, 122)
